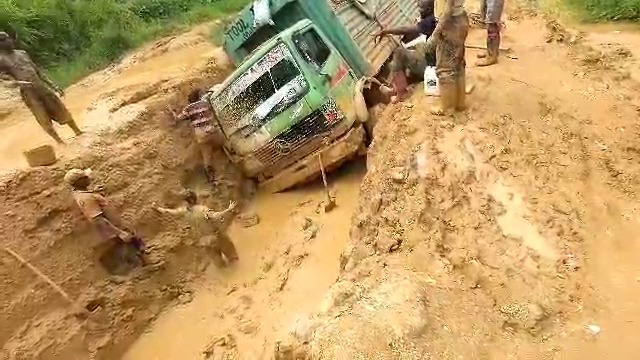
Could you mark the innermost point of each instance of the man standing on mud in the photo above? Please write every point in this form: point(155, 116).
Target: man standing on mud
point(491, 11)
point(35, 88)
point(101, 214)
point(200, 116)
point(448, 39)
point(412, 61)
point(209, 225)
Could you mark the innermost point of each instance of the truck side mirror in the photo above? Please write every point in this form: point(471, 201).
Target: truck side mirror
point(326, 77)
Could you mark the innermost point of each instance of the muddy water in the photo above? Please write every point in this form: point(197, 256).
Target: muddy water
point(246, 301)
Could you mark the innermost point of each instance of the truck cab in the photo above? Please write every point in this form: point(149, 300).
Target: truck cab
point(294, 103)
point(290, 98)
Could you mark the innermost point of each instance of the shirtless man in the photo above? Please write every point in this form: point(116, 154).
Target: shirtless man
point(35, 88)
point(491, 10)
point(209, 226)
point(448, 39)
point(412, 62)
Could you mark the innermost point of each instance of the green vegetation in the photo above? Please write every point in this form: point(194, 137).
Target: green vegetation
point(608, 9)
point(71, 38)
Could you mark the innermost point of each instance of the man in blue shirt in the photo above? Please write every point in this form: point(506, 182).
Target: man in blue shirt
point(412, 62)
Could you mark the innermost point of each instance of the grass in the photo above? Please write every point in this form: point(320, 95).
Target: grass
point(606, 10)
point(72, 38)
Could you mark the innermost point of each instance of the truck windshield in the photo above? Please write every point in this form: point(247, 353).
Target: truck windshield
point(264, 90)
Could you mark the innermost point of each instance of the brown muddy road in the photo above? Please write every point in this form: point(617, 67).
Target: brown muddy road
point(534, 207)
point(281, 276)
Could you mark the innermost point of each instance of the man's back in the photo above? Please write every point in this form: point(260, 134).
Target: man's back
point(91, 204)
point(18, 65)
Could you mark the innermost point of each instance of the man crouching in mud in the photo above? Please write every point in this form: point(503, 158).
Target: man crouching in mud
point(102, 215)
point(209, 225)
point(412, 61)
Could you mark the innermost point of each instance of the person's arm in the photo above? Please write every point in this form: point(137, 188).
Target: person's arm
point(175, 212)
point(446, 15)
point(403, 31)
point(222, 215)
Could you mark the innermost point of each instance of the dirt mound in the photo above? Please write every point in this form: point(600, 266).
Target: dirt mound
point(145, 158)
point(364, 320)
point(487, 218)
point(440, 229)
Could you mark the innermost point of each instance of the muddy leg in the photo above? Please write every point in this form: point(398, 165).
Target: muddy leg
point(214, 250)
point(216, 257)
point(48, 128)
point(227, 248)
point(138, 245)
point(206, 149)
point(38, 110)
point(72, 124)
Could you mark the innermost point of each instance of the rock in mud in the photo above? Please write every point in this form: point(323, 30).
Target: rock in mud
point(185, 298)
point(338, 296)
point(291, 350)
point(249, 219)
point(398, 175)
point(310, 233)
point(248, 326)
point(387, 244)
point(222, 348)
point(307, 222)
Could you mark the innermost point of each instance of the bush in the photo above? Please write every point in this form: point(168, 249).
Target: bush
point(71, 38)
point(609, 9)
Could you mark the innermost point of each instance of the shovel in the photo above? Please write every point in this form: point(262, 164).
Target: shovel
point(79, 311)
point(331, 202)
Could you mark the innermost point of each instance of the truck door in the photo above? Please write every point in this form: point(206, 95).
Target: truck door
point(332, 73)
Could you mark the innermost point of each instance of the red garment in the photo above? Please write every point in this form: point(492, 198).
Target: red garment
point(200, 115)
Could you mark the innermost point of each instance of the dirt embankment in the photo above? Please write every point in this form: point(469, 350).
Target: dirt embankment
point(140, 157)
point(491, 234)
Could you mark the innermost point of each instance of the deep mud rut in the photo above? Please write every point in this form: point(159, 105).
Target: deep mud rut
point(502, 232)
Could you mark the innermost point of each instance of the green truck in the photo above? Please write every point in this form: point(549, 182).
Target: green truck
point(294, 102)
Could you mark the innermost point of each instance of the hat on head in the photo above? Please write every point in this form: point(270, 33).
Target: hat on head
point(73, 175)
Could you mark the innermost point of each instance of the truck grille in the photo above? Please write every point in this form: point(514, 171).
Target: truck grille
point(293, 139)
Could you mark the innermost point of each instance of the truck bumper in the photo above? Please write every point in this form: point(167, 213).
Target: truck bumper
point(308, 168)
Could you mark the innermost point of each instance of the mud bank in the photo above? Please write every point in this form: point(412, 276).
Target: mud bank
point(476, 235)
point(141, 157)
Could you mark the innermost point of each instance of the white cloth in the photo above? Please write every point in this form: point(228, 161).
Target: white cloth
point(261, 13)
